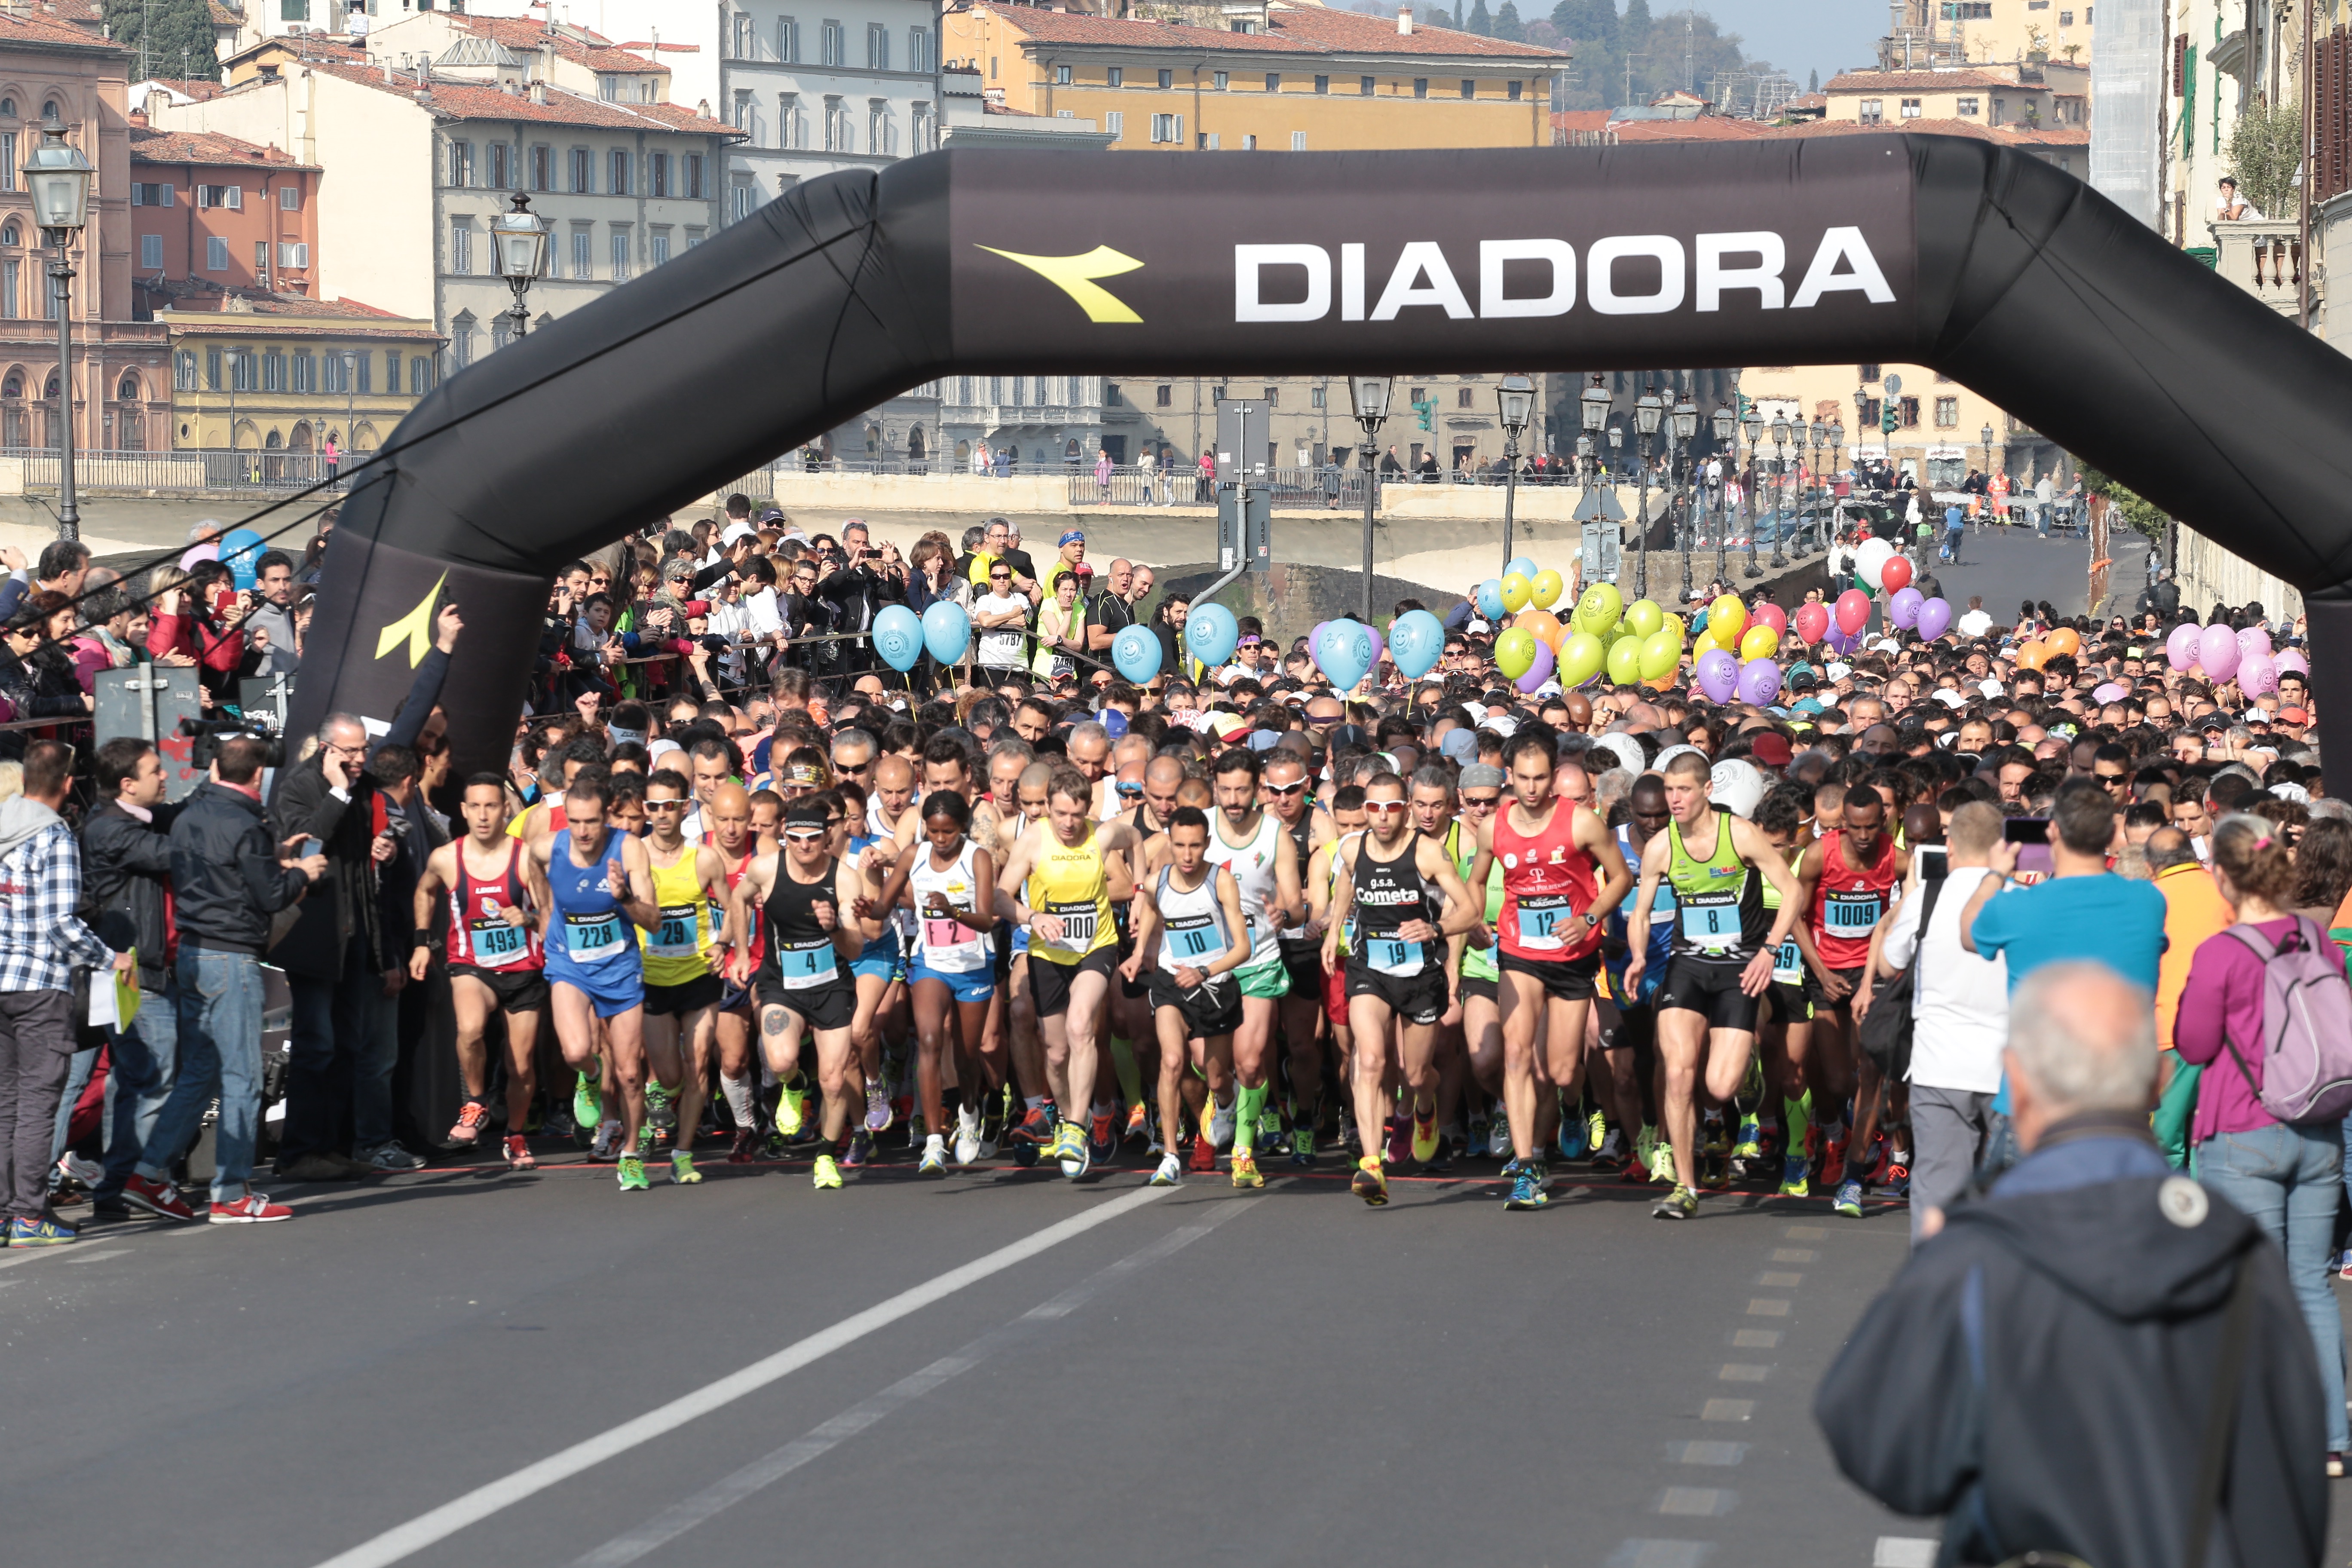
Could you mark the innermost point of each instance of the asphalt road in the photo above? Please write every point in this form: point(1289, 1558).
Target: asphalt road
point(2008, 565)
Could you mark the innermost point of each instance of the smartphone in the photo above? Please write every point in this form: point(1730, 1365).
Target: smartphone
point(310, 847)
point(1931, 860)
point(2032, 836)
point(2026, 830)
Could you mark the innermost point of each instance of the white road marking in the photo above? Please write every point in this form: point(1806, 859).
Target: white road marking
point(1638, 1553)
point(1904, 1552)
point(472, 1508)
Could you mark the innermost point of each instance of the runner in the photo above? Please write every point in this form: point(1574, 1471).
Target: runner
point(1478, 980)
point(1188, 925)
point(496, 963)
point(1348, 819)
point(728, 817)
point(1286, 790)
point(1721, 957)
point(1627, 1016)
point(1251, 842)
point(1785, 1039)
point(682, 986)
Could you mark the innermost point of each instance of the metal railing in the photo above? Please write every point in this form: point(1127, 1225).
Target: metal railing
point(1294, 488)
point(191, 469)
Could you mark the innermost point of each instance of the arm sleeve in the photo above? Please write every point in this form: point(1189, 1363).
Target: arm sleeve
point(1902, 943)
point(272, 886)
point(708, 576)
point(61, 884)
point(2204, 1012)
point(423, 693)
point(306, 805)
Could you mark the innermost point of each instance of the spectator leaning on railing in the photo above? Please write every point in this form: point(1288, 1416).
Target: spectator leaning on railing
point(41, 940)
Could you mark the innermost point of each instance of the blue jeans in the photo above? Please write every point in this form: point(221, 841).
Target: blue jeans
point(2283, 1179)
point(145, 1060)
point(219, 1043)
point(77, 1073)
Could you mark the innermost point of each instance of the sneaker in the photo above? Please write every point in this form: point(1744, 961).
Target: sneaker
point(587, 1103)
point(2334, 1465)
point(1749, 1145)
point(1035, 1128)
point(860, 1151)
point(1482, 1132)
point(1596, 1130)
point(1102, 1136)
point(1833, 1164)
point(682, 1173)
point(1680, 1203)
point(659, 1107)
point(518, 1153)
point(607, 1139)
point(1527, 1193)
point(827, 1175)
point(2346, 1274)
point(1302, 1143)
point(1269, 1126)
point(1245, 1171)
point(1171, 1172)
point(160, 1199)
point(1662, 1161)
point(1848, 1201)
point(1398, 1140)
point(1644, 1143)
point(1424, 1136)
point(791, 1104)
point(1138, 1123)
point(1204, 1157)
point(47, 1231)
point(1794, 1171)
point(72, 1167)
point(630, 1172)
point(1070, 1151)
point(935, 1157)
point(744, 1149)
point(392, 1157)
point(1711, 1136)
point(877, 1106)
point(967, 1143)
point(251, 1209)
point(1610, 1153)
point(1220, 1127)
point(1898, 1182)
point(1369, 1182)
point(470, 1122)
point(323, 1168)
point(1571, 1137)
point(1713, 1173)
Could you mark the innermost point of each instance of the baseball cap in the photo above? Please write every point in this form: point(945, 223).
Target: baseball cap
point(1771, 748)
point(1225, 726)
point(736, 531)
point(1264, 740)
point(1113, 723)
point(2294, 716)
point(771, 514)
point(1838, 671)
point(1950, 699)
point(1462, 745)
point(1073, 537)
point(1348, 735)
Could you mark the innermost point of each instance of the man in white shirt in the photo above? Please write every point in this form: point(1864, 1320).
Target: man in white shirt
point(1975, 622)
point(1959, 1008)
point(1002, 618)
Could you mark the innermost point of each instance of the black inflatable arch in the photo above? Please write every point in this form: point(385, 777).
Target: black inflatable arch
point(1996, 269)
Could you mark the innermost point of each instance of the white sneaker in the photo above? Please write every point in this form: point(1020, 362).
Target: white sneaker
point(1220, 1127)
point(607, 1139)
point(966, 1143)
point(72, 1167)
point(935, 1157)
point(1171, 1172)
point(1498, 1137)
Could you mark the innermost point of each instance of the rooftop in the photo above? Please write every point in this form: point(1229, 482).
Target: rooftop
point(1302, 30)
point(1914, 82)
point(455, 100)
point(26, 29)
point(204, 147)
point(581, 45)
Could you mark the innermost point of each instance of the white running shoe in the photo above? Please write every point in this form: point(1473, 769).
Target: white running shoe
point(72, 1167)
point(1498, 1137)
point(966, 1143)
point(935, 1157)
point(1171, 1172)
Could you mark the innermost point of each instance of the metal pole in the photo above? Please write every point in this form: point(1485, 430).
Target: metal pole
point(1642, 526)
point(1748, 504)
point(1689, 520)
point(1723, 519)
point(61, 280)
point(1368, 452)
point(1510, 486)
point(1781, 485)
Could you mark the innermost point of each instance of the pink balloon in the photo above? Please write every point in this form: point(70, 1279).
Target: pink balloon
point(1935, 619)
point(1759, 681)
point(1813, 621)
point(2112, 691)
point(2257, 674)
point(2217, 650)
point(1719, 675)
point(1852, 611)
point(1773, 616)
point(2254, 640)
point(201, 553)
point(2181, 647)
point(1536, 674)
point(2293, 659)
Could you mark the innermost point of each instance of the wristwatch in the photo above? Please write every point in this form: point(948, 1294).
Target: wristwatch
point(1591, 919)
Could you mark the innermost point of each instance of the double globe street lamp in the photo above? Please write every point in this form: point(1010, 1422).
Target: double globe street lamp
point(1685, 429)
point(58, 177)
point(1648, 410)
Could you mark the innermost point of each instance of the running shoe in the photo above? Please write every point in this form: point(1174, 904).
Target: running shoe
point(72, 1167)
point(1833, 1164)
point(631, 1173)
point(1424, 1135)
point(827, 1175)
point(1204, 1157)
point(1898, 1182)
point(1138, 1123)
point(744, 1149)
point(877, 1106)
point(1035, 1127)
point(1171, 1172)
point(1482, 1132)
point(1269, 1126)
point(607, 1139)
point(1793, 1174)
point(860, 1151)
point(471, 1119)
point(1662, 1161)
point(1711, 1140)
point(1848, 1201)
point(1397, 1138)
point(518, 1153)
point(935, 1157)
point(1610, 1153)
point(1713, 1173)
point(1070, 1151)
point(1498, 1137)
point(1749, 1145)
point(1370, 1182)
point(792, 1107)
point(1526, 1192)
point(1302, 1143)
point(2346, 1274)
point(1596, 1130)
point(682, 1173)
point(967, 1143)
point(1681, 1202)
point(587, 1104)
point(251, 1209)
point(158, 1197)
point(1750, 1095)
point(660, 1109)
point(1220, 1126)
point(1102, 1136)
point(1645, 1142)
point(1245, 1171)
point(46, 1230)
point(1572, 1136)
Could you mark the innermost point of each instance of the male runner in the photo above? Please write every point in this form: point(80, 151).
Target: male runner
point(1251, 842)
point(1785, 1039)
point(1133, 1028)
point(1285, 790)
point(1628, 1016)
point(1193, 910)
point(1722, 954)
point(682, 984)
point(492, 948)
point(1478, 982)
point(728, 817)
point(1347, 820)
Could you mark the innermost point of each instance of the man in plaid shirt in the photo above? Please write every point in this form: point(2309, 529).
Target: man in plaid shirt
point(41, 940)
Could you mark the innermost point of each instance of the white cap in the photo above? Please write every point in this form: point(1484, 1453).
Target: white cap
point(1502, 723)
point(1838, 671)
point(1950, 699)
point(1990, 688)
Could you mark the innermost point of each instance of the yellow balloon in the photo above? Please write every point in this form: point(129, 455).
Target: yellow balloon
point(1513, 651)
point(1662, 654)
point(1626, 661)
point(1644, 617)
point(1759, 642)
point(1549, 586)
point(1725, 618)
point(1675, 624)
point(1580, 658)
point(1599, 608)
point(1516, 591)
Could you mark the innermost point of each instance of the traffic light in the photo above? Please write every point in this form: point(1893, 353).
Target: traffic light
point(1425, 410)
point(1887, 415)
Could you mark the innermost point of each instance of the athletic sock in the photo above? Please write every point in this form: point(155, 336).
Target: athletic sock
point(1248, 1105)
point(738, 1091)
point(1130, 1077)
point(1799, 1114)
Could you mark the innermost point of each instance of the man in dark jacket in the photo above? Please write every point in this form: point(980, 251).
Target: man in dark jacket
point(400, 805)
point(332, 956)
point(857, 593)
point(2043, 1372)
point(126, 867)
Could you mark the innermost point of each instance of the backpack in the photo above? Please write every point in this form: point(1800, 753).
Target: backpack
point(2306, 1026)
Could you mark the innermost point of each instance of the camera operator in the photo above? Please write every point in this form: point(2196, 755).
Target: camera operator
point(126, 851)
point(857, 593)
point(332, 955)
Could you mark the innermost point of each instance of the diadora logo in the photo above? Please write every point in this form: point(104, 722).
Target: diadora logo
point(1751, 262)
point(1076, 275)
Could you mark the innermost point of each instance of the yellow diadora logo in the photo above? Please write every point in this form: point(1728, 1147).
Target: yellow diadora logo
point(1075, 276)
point(415, 628)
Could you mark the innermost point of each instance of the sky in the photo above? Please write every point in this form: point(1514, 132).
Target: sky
point(1798, 36)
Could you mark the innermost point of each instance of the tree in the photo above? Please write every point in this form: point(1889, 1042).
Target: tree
point(1813, 81)
point(1507, 25)
point(1633, 29)
point(165, 38)
point(1479, 22)
point(2262, 155)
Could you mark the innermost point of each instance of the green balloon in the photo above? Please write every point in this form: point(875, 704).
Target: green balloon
point(1644, 617)
point(1515, 650)
point(1626, 661)
point(1580, 658)
point(1598, 609)
point(1662, 654)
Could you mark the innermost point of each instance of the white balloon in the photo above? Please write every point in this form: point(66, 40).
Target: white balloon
point(1870, 559)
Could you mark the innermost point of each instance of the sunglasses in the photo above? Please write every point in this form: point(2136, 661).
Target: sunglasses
point(1318, 722)
point(1285, 789)
point(804, 836)
point(1384, 807)
point(665, 806)
point(1481, 802)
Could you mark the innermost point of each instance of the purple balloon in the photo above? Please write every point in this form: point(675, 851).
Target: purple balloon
point(2181, 647)
point(1759, 681)
point(2254, 640)
point(1935, 619)
point(201, 553)
point(1719, 675)
point(2293, 659)
point(1538, 673)
point(1903, 609)
point(2257, 674)
point(2217, 650)
point(1379, 643)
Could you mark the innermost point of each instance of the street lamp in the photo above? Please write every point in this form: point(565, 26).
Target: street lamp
point(1516, 399)
point(1984, 512)
point(1752, 422)
point(1727, 437)
point(521, 235)
point(235, 360)
point(350, 386)
point(1837, 454)
point(1648, 409)
point(1685, 427)
point(58, 177)
point(1821, 486)
point(1781, 523)
point(1370, 393)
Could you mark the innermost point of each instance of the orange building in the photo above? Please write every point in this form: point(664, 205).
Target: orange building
point(211, 212)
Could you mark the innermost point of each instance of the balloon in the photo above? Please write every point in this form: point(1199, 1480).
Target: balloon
point(1549, 586)
point(1760, 682)
point(1525, 565)
point(1315, 635)
point(1724, 619)
point(1812, 620)
point(1513, 651)
point(2257, 674)
point(1517, 592)
point(1626, 661)
point(1935, 618)
point(1672, 623)
point(1538, 673)
point(1210, 634)
point(1599, 609)
point(2217, 650)
point(1379, 647)
point(1416, 638)
point(1895, 575)
point(1903, 608)
point(1580, 657)
point(2293, 659)
point(2181, 647)
point(1719, 675)
point(1540, 625)
point(2063, 639)
point(1134, 653)
point(1853, 610)
point(1490, 600)
point(2034, 655)
point(1759, 642)
point(240, 549)
point(1641, 614)
point(1771, 615)
point(947, 631)
point(898, 637)
point(201, 553)
point(2253, 640)
point(1870, 559)
point(2112, 691)
point(1344, 652)
point(1662, 654)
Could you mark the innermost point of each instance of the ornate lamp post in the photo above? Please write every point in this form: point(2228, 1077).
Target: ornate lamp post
point(1836, 451)
point(1685, 430)
point(1370, 393)
point(1648, 410)
point(1516, 398)
point(1753, 423)
point(1781, 523)
point(58, 177)
point(1727, 437)
point(521, 235)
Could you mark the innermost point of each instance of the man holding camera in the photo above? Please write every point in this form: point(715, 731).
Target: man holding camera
point(126, 846)
point(857, 593)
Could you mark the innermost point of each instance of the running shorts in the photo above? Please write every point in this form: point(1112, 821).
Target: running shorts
point(610, 997)
point(1565, 979)
point(1820, 998)
point(963, 984)
point(517, 990)
point(1694, 985)
point(831, 1005)
point(1212, 1008)
point(666, 1001)
point(1483, 986)
point(1049, 983)
point(1417, 999)
point(1265, 978)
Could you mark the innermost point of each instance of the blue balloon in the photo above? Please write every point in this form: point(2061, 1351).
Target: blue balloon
point(947, 631)
point(1135, 654)
point(1525, 565)
point(1490, 598)
point(898, 637)
point(1344, 653)
point(1416, 638)
point(240, 548)
point(1210, 632)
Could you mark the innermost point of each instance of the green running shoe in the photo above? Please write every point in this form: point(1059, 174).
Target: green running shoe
point(631, 1173)
point(1749, 1145)
point(791, 1109)
point(682, 1173)
point(1661, 1160)
point(827, 1174)
point(587, 1105)
point(1596, 1132)
point(1679, 1204)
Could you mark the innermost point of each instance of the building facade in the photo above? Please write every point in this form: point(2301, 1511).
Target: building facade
point(212, 212)
point(811, 92)
point(283, 373)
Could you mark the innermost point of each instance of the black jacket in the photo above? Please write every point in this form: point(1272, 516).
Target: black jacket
point(2041, 1374)
point(126, 866)
point(858, 594)
point(225, 879)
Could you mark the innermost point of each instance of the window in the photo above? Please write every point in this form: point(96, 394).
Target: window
point(2065, 18)
point(1249, 143)
point(1948, 413)
point(150, 253)
point(583, 169)
point(215, 254)
point(657, 247)
point(878, 47)
point(392, 371)
point(500, 154)
point(608, 88)
point(583, 254)
point(1870, 372)
point(1906, 413)
point(919, 52)
point(1469, 87)
point(788, 40)
point(1163, 397)
point(740, 199)
point(461, 245)
point(1999, 107)
point(1315, 397)
point(184, 371)
point(1364, 86)
point(1874, 111)
point(461, 339)
point(1209, 141)
point(212, 370)
point(836, 44)
point(295, 254)
point(1220, 80)
point(657, 174)
point(241, 370)
point(790, 130)
point(746, 37)
point(273, 371)
point(11, 286)
point(1274, 81)
point(1910, 109)
point(690, 165)
point(229, 197)
point(306, 372)
point(542, 169)
point(420, 376)
point(1116, 123)
point(1168, 128)
point(261, 263)
point(10, 235)
point(1116, 75)
point(1298, 140)
point(1323, 84)
point(1511, 89)
point(151, 195)
point(461, 165)
point(1420, 86)
point(622, 255)
point(618, 184)
point(1965, 106)
point(1273, 396)
point(8, 159)
point(365, 363)
point(1110, 395)
point(1062, 76)
point(881, 134)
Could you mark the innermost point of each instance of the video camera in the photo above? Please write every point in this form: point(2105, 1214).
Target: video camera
point(208, 733)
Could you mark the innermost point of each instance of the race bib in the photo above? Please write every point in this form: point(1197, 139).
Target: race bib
point(1079, 922)
point(1711, 926)
point(1851, 914)
point(1196, 942)
point(496, 944)
point(802, 967)
point(590, 938)
point(1540, 920)
point(1789, 964)
point(1391, 956)
point(677, 935)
